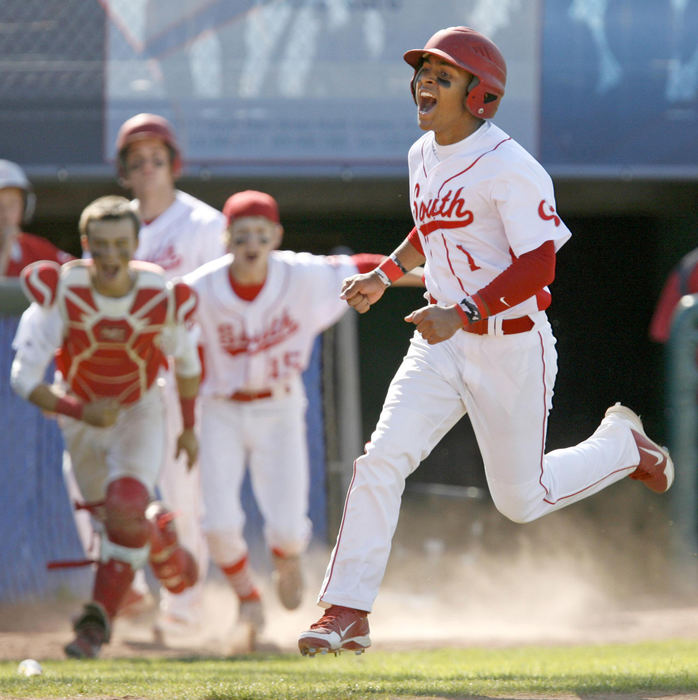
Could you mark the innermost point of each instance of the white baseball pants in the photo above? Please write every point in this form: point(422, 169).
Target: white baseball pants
point(505, 384)
point(268, 436)
point(133, 447)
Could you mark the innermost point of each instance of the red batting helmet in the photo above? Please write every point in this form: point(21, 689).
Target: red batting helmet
point(148, 126)
point(465, 48)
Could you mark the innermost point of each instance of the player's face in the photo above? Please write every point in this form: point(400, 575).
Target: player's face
point(11, 208)
point(148, 168)
point(440, 91)
point(112, 244)
point(251, 239)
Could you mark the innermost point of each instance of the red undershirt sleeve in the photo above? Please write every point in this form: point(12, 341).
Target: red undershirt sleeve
point(413, 238)
point(365, 262)
point(524, 278)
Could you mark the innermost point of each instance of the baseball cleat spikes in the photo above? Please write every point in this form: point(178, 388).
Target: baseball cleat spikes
point(339, 629)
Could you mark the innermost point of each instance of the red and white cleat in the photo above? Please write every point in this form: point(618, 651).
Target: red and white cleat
point(339, 629)
point(655, 470)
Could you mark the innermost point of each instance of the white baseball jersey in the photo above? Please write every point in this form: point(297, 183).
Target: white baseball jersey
point(186, 235)
point(475, 204)
point(263, 343)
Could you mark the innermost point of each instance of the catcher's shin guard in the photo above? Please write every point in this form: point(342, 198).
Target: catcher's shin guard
point(172, 564)
point(124, 543)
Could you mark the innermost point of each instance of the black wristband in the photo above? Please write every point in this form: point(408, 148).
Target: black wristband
point(470, 310)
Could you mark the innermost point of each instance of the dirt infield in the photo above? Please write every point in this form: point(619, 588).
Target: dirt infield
point(459, 574)
point(566, 612)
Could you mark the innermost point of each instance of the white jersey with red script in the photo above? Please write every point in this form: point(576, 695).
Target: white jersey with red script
point(253, 400)
point(476, 203)
point(259, 344)
point(186, 235)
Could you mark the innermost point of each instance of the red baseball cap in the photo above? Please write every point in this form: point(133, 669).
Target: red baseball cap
point(251, 203)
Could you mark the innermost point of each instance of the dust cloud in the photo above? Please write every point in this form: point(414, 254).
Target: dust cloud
point(460, 574)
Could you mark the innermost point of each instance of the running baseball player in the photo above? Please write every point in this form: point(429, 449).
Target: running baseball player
point(487, 232)
point(260, 310)
point(109, 320)
point(179, 233)
point(17, 248)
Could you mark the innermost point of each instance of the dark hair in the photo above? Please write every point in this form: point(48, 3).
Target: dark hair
point(108, 208)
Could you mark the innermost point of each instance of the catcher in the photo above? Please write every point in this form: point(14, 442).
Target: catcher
point(108, 321)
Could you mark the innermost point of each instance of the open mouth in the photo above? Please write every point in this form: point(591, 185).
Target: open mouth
point(425, 102)
point(108, 271)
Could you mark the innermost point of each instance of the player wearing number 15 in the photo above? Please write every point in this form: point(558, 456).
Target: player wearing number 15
point(260, 310)
point(487, 232)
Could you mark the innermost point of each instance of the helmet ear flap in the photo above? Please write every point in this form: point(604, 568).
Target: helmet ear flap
point(481, 102)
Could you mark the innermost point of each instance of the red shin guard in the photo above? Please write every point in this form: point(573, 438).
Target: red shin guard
point(126, 531)
point(112, 580)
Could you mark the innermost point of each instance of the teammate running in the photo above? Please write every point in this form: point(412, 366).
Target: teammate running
point(109, 322)
point(259, 313)
point(487, 232)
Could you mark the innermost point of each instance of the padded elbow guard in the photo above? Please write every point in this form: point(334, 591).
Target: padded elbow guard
point(172, 564)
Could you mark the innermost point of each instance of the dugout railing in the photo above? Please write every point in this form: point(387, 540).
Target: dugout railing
point(682, 417)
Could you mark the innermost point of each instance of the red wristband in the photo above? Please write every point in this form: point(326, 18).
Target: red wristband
point(70, 406)
point(463, 316)
point(188, 412)
point(390, 267)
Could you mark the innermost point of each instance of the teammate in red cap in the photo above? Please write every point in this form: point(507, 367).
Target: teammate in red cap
point(108, 321)
point(487, 232)
point(260, 310)
point(178, 233)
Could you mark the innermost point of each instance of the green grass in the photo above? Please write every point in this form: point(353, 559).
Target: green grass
point(667, 667)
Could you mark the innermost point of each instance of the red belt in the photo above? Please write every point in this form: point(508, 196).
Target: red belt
point(509, 326)
point(251, 395)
